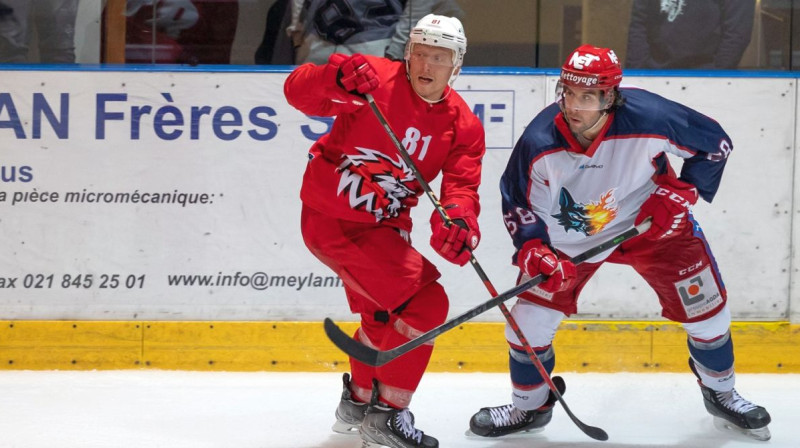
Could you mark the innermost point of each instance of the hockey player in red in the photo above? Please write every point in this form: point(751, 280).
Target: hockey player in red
point(586, 169)
point(357, 193)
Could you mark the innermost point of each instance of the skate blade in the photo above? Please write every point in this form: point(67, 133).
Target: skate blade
point(513, 435)
point(760, 434)
point(371, 444)
point(345, 428)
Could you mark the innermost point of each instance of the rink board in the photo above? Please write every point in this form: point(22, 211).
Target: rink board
point(98, 278)
point(171, 194)
point(582, 346)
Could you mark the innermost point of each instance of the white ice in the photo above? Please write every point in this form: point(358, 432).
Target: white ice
point(169, 409)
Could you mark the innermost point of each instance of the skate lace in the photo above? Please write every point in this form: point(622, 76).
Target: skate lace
point(733, 401)
point(507, 415)
point(404, 421)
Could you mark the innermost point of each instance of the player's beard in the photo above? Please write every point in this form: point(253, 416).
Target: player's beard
point(586, 130)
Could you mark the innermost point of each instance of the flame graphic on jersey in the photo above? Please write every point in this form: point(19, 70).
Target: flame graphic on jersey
point(386, 182)
point(588, 218)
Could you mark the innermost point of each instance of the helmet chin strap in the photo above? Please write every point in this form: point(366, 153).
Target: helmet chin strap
point(429, 101)
point(585, 136)
point(597, 124)
point(408, 76)
point(601, 120)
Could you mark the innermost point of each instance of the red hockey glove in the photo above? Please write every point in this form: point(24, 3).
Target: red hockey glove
point(454, 243)
point(536, 258)
point(669, 206)
point(355, 75)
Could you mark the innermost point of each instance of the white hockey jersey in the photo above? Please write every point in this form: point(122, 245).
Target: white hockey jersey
point(575, 198)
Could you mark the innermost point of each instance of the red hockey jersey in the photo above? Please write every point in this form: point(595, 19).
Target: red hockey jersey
point(356, 173)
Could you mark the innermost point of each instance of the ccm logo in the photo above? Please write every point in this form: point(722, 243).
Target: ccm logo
point(691, 268)
point(674, 197)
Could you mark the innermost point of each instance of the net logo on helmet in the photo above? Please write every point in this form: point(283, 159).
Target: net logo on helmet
point(592, 67)
point(581, 61)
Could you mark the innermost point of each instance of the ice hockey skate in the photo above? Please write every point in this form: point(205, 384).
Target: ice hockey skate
point(500, 421)
point(384, 426)
point(733, 413)
point(349, 413)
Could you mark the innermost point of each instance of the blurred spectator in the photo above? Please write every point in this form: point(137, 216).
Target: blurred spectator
point(180, 31)
point(668, 34)
point(54, 24)
point(376, 27)
point(276, 46)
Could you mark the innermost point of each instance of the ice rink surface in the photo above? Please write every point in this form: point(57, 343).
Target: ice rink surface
point(168, 409)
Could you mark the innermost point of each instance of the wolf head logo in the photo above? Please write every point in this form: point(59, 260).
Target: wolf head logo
point(588, 219)
point(375, 182)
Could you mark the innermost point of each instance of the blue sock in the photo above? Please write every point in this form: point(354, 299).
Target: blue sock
point(716, 355)
point(523, 372)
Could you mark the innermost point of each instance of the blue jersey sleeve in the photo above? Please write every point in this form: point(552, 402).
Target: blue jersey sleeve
point(521, 221)
point(702, 142)
point(712, 147)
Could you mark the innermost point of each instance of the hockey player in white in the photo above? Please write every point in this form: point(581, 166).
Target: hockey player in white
point(587, 168)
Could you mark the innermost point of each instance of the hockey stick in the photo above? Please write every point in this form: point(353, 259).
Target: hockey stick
point(376, 358)
point(593, 432)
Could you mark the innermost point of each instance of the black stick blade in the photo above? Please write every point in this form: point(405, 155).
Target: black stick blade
point(593, 432)
point(350, 346)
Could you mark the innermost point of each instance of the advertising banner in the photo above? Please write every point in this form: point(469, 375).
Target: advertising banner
point(133, 195)
point(130, 195)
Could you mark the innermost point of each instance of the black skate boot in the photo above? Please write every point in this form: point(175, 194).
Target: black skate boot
point(732, 412)
point(503, 420)
point(384, 426)
point(349, 413)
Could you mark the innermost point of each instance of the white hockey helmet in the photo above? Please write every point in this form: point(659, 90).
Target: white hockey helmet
point(440, 31)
